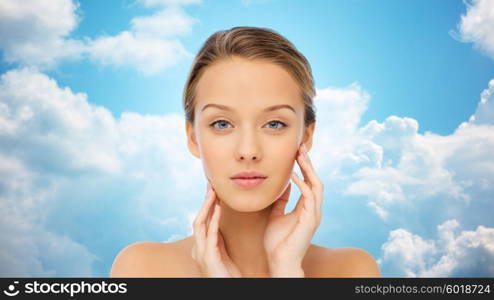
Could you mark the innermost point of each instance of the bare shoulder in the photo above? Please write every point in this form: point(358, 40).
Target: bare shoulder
point(145, 259)
point(341, 262)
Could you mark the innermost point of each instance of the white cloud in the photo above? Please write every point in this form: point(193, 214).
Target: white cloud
point(147, 55)
point(338, 114)
point(406, 253)
point(392, 165)
point(28, 251)
point(166, 23)
point(150, 46)
point(27, 248)
point(342, 108)
point(485, 109)
point(36, 32)
point(456, 253)
point(37, 114)
point(61, 158)
point(477, 26)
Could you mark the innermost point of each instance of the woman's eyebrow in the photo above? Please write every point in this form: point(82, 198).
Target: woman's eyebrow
point(267, 109)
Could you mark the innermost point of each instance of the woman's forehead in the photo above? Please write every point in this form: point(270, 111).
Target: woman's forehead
point(247, 80)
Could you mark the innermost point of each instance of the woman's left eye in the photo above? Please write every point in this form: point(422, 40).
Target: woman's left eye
point(277, 122)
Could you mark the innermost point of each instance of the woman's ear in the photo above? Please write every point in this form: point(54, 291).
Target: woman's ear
point(308, 135)
point(192, 140)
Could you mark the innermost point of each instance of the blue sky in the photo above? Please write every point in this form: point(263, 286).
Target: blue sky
point(92, 144)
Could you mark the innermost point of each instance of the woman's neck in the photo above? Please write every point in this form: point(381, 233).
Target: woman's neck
point(243, 233)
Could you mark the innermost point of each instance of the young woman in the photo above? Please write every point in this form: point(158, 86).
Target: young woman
point(249, 119)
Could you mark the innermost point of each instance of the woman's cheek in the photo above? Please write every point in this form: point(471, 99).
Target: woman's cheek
point(214, 164)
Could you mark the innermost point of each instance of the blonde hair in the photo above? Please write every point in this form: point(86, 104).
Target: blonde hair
point(252, 43)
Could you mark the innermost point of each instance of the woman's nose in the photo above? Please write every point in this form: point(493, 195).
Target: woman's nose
point(249, 152)
point(251, 157)
point(248, 147)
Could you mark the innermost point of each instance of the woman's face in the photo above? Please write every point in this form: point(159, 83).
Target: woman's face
point(235, 130)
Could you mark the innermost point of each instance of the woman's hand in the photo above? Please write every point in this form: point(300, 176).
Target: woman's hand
point(288, 236)
point(209, 247)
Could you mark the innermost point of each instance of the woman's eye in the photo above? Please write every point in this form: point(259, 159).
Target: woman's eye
point(275, 123)
point(223, 123)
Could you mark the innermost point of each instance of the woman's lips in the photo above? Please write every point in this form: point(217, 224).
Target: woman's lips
point(249, 182)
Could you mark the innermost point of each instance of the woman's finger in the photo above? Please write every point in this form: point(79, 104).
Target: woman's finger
point(309, 169)
point(221, 243)
point(307, 195)
point(203, 212)
point(316, 183)
point(303, 167)
point(298, 159)
point(308, 222)
point(199, 226)
point(210, 213)
point(212, 235)
point(279, 205)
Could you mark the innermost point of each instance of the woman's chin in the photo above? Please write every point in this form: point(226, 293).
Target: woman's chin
point(245, 206)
